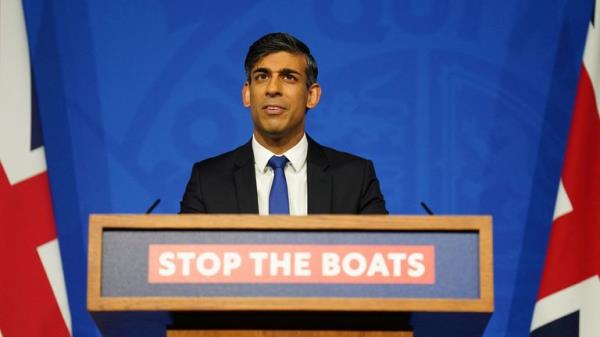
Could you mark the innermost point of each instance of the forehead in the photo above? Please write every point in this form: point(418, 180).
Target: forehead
point(282, 60)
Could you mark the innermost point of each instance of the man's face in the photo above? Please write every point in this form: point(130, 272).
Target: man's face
point(278, 97)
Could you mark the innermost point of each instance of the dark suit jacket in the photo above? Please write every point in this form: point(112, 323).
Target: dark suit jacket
point(338, 183)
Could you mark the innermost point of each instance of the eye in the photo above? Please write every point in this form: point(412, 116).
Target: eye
point(260, 76)
point(289, 77)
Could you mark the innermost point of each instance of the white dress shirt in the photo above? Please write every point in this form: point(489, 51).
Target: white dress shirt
point(295, 176)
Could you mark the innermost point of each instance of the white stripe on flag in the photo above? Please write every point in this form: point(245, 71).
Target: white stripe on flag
point(563, 203)
point(583, 297)
point(49, 253)
point(19, 162)
point(591, 54)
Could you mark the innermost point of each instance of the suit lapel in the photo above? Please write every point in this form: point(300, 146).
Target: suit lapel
point(245, 180)
point(318, 179)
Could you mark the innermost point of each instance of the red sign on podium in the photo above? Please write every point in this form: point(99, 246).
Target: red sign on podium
point(291, 263)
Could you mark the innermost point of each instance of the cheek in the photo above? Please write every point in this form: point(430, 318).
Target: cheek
point(300, 96)
point(254, 115)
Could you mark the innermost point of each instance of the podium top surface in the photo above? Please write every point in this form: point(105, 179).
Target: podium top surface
point(251, 221)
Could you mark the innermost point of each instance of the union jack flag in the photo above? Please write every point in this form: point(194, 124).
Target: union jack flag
point(568, 302)
point(33, 300)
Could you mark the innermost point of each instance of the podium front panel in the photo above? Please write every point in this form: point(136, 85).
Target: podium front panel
point(383, 270)
point(339, 263)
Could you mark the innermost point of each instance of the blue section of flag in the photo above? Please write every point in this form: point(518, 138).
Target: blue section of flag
point(566, 326)
point(593, 18)
point(37, 140)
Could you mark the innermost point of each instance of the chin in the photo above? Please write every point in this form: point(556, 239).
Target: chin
point(274, 134)
point(273, 131)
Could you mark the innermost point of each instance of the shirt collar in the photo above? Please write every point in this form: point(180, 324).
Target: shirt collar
point(296, 155)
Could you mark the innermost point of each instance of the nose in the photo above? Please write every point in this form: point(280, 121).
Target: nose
point(273, 87)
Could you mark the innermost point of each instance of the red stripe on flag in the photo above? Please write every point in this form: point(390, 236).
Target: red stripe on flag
point(27, 304)
point(574, 247)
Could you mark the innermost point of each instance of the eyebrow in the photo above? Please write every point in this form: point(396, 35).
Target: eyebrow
point(288, 71)
point(285, 71)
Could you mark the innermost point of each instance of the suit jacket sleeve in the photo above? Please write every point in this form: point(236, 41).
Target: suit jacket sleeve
point(193, 200)
point(371, 200)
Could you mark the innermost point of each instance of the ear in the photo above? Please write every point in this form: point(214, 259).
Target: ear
point(314, 95)
point(246, 95)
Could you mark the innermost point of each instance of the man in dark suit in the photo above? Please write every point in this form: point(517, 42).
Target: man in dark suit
point(282, 170)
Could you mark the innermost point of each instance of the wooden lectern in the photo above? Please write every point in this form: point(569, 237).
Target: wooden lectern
point(258, 276)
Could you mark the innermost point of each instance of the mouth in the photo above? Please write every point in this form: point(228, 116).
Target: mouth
point(273, 109)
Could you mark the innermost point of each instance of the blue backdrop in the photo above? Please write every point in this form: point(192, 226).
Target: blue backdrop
point(463, 104)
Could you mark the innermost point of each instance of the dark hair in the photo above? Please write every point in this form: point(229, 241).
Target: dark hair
point(276, 42)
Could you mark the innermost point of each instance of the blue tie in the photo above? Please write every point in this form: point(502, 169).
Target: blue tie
point(278, 199)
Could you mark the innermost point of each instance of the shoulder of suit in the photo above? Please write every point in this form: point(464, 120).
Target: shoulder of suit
point(229, 158)
point(336, 157)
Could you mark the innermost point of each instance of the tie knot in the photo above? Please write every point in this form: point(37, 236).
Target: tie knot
point(277, 162)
